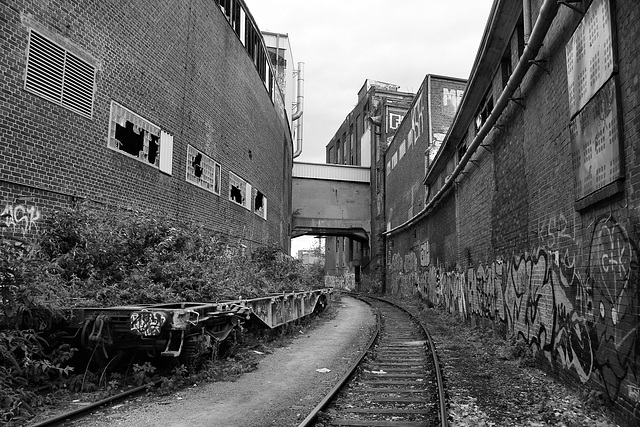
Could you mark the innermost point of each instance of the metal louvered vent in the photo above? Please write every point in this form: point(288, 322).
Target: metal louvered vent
point(59, 76)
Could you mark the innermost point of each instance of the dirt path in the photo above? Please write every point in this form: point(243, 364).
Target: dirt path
point(281, 392)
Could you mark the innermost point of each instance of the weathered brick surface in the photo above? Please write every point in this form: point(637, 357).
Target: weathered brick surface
point(561, 276)
point(178, 65)
point(428, 120)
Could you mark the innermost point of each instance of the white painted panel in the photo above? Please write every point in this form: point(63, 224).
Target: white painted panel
point(331, 172)
point(166, 152)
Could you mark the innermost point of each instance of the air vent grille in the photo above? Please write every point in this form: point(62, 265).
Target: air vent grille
point(59, 76)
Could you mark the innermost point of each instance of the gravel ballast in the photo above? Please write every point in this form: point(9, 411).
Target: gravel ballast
point(486, 384)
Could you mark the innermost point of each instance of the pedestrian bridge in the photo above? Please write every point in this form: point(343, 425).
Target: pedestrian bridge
point(331, 200)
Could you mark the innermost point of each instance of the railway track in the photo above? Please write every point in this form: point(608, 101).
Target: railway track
point(397, 382)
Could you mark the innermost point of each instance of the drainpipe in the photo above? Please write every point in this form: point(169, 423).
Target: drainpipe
point(526, 17)
point(430, 126)
point(298, 114)
point(547, 13)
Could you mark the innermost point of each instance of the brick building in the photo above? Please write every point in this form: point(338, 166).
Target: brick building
point(412, 150)
point(360, 141)
point(154, 105)
point(530, 220)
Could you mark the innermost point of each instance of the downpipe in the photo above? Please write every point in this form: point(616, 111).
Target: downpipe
point(548, 12)
point(299, 110)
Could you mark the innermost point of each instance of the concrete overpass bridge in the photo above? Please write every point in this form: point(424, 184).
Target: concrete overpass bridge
point(331, 200)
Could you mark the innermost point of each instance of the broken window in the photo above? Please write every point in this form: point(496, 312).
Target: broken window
point(486, 107)
point(239, 189)
point(202, 170)
point(139, 138)
point(506, 66)
point(260, 204)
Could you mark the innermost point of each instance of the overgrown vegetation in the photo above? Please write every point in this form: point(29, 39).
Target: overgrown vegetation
point(99, 257)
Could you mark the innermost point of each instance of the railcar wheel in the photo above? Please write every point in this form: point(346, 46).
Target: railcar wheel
point(195, 347)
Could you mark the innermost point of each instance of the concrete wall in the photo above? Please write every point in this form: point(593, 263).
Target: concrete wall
point(328, 204)
point(180, 67)
point(523, 253)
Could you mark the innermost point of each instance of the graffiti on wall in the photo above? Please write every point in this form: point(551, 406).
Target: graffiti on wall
point(345, 281)
point(417, 119)
point(451, 99)
point(20, 218)
point(572, 299)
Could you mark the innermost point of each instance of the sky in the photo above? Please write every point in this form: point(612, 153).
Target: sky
point(343, 43)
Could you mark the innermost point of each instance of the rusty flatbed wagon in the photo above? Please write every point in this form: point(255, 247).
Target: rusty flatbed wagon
point(189, 329)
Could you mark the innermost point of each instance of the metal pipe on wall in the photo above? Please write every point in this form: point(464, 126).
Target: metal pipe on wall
point(298, 114)
point(526, 17)
point(546, 16)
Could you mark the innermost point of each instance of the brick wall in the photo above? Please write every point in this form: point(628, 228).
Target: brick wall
point(432, 111)
point(533, 259)
point(180, 67)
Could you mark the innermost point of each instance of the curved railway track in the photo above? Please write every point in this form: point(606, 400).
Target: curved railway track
point(397, 382)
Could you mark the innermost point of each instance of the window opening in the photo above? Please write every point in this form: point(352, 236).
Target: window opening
point(239, 191)
point(520, 36)
point(486, 107)
point(197, 168)
point(260, 204)
point(137, 137)
point(236, 194)
point(462, 149)
point(258, 200)
point(506, 66)
point(202, 170)
point(131, 138)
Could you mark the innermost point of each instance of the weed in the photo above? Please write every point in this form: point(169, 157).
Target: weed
point(142, 374)
point(98, 257)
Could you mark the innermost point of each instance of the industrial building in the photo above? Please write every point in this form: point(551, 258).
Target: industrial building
point(419, 123)
point(173, 107)
point(360, 141)
point(526, 219)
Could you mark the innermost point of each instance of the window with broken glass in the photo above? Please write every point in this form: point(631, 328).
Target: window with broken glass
point(239, 191)
point(202, 170)
point(259, 204)
point(134, 135)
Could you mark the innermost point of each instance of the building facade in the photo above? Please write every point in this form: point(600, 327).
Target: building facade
point(412, 150)
point(143, 105)
point(530, 218)
point(359, 141)
point(309, 256)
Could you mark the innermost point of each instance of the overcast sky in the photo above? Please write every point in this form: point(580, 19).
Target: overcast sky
point(344, 42)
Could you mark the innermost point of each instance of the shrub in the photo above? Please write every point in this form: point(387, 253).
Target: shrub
point(107, 257)
point(100, 257)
